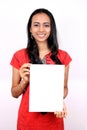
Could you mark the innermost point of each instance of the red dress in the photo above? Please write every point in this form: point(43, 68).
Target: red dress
point(35, 120)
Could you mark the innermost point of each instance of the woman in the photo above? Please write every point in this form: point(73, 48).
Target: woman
point(42, 48)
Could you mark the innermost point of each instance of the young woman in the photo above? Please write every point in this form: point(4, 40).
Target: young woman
point(42, 48)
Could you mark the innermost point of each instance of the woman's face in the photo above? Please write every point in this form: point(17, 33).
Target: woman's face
point(40, 27)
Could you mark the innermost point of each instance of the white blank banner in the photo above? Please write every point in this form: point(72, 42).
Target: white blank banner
point(46, 88)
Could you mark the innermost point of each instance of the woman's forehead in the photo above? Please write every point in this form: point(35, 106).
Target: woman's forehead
point(41, 17)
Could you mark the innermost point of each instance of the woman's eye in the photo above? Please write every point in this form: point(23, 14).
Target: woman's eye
point(36, 25)
point(46, 25)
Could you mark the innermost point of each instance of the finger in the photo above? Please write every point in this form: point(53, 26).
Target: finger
point(26, 65)
point(60, 114)
point(24, 72)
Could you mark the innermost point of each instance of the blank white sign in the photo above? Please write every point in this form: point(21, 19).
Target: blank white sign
point(46, 88)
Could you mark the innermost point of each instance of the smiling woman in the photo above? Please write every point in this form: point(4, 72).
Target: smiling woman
point(40, 28)
point(42, 44)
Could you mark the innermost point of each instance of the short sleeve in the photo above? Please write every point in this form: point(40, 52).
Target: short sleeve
point(15, 61)
point(64, 57)
point(19, 58)
point(67, 59)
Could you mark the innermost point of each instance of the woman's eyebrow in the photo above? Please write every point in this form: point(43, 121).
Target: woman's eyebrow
point(46, 23)
point(43, 23)
point(36, 22)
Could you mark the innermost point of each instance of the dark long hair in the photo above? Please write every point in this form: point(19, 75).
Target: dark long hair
point(32, 48)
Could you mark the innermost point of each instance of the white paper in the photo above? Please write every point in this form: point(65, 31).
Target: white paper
point(46, 88)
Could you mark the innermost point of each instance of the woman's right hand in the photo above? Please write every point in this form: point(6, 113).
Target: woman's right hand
point(25, 72)
point(20, 79)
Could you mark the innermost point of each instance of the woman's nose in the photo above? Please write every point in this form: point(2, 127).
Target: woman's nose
point(41, 28)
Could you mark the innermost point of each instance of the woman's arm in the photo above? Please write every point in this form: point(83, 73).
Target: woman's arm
point(64, 112)
point(66, 81)
point(20, 80)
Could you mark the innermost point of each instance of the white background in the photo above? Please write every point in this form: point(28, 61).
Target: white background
point(71, 20)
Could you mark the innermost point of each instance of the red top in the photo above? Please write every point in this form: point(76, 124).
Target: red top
point(35, 120)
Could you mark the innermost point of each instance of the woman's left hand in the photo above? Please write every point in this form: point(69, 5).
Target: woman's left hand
point(62, 114)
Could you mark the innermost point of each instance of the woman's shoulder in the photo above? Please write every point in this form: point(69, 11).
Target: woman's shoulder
point(60, 51)
point(20, 51)
point(20, 54)
point(64, 56)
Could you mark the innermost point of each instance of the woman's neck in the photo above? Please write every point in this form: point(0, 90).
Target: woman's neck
point(43, 50)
